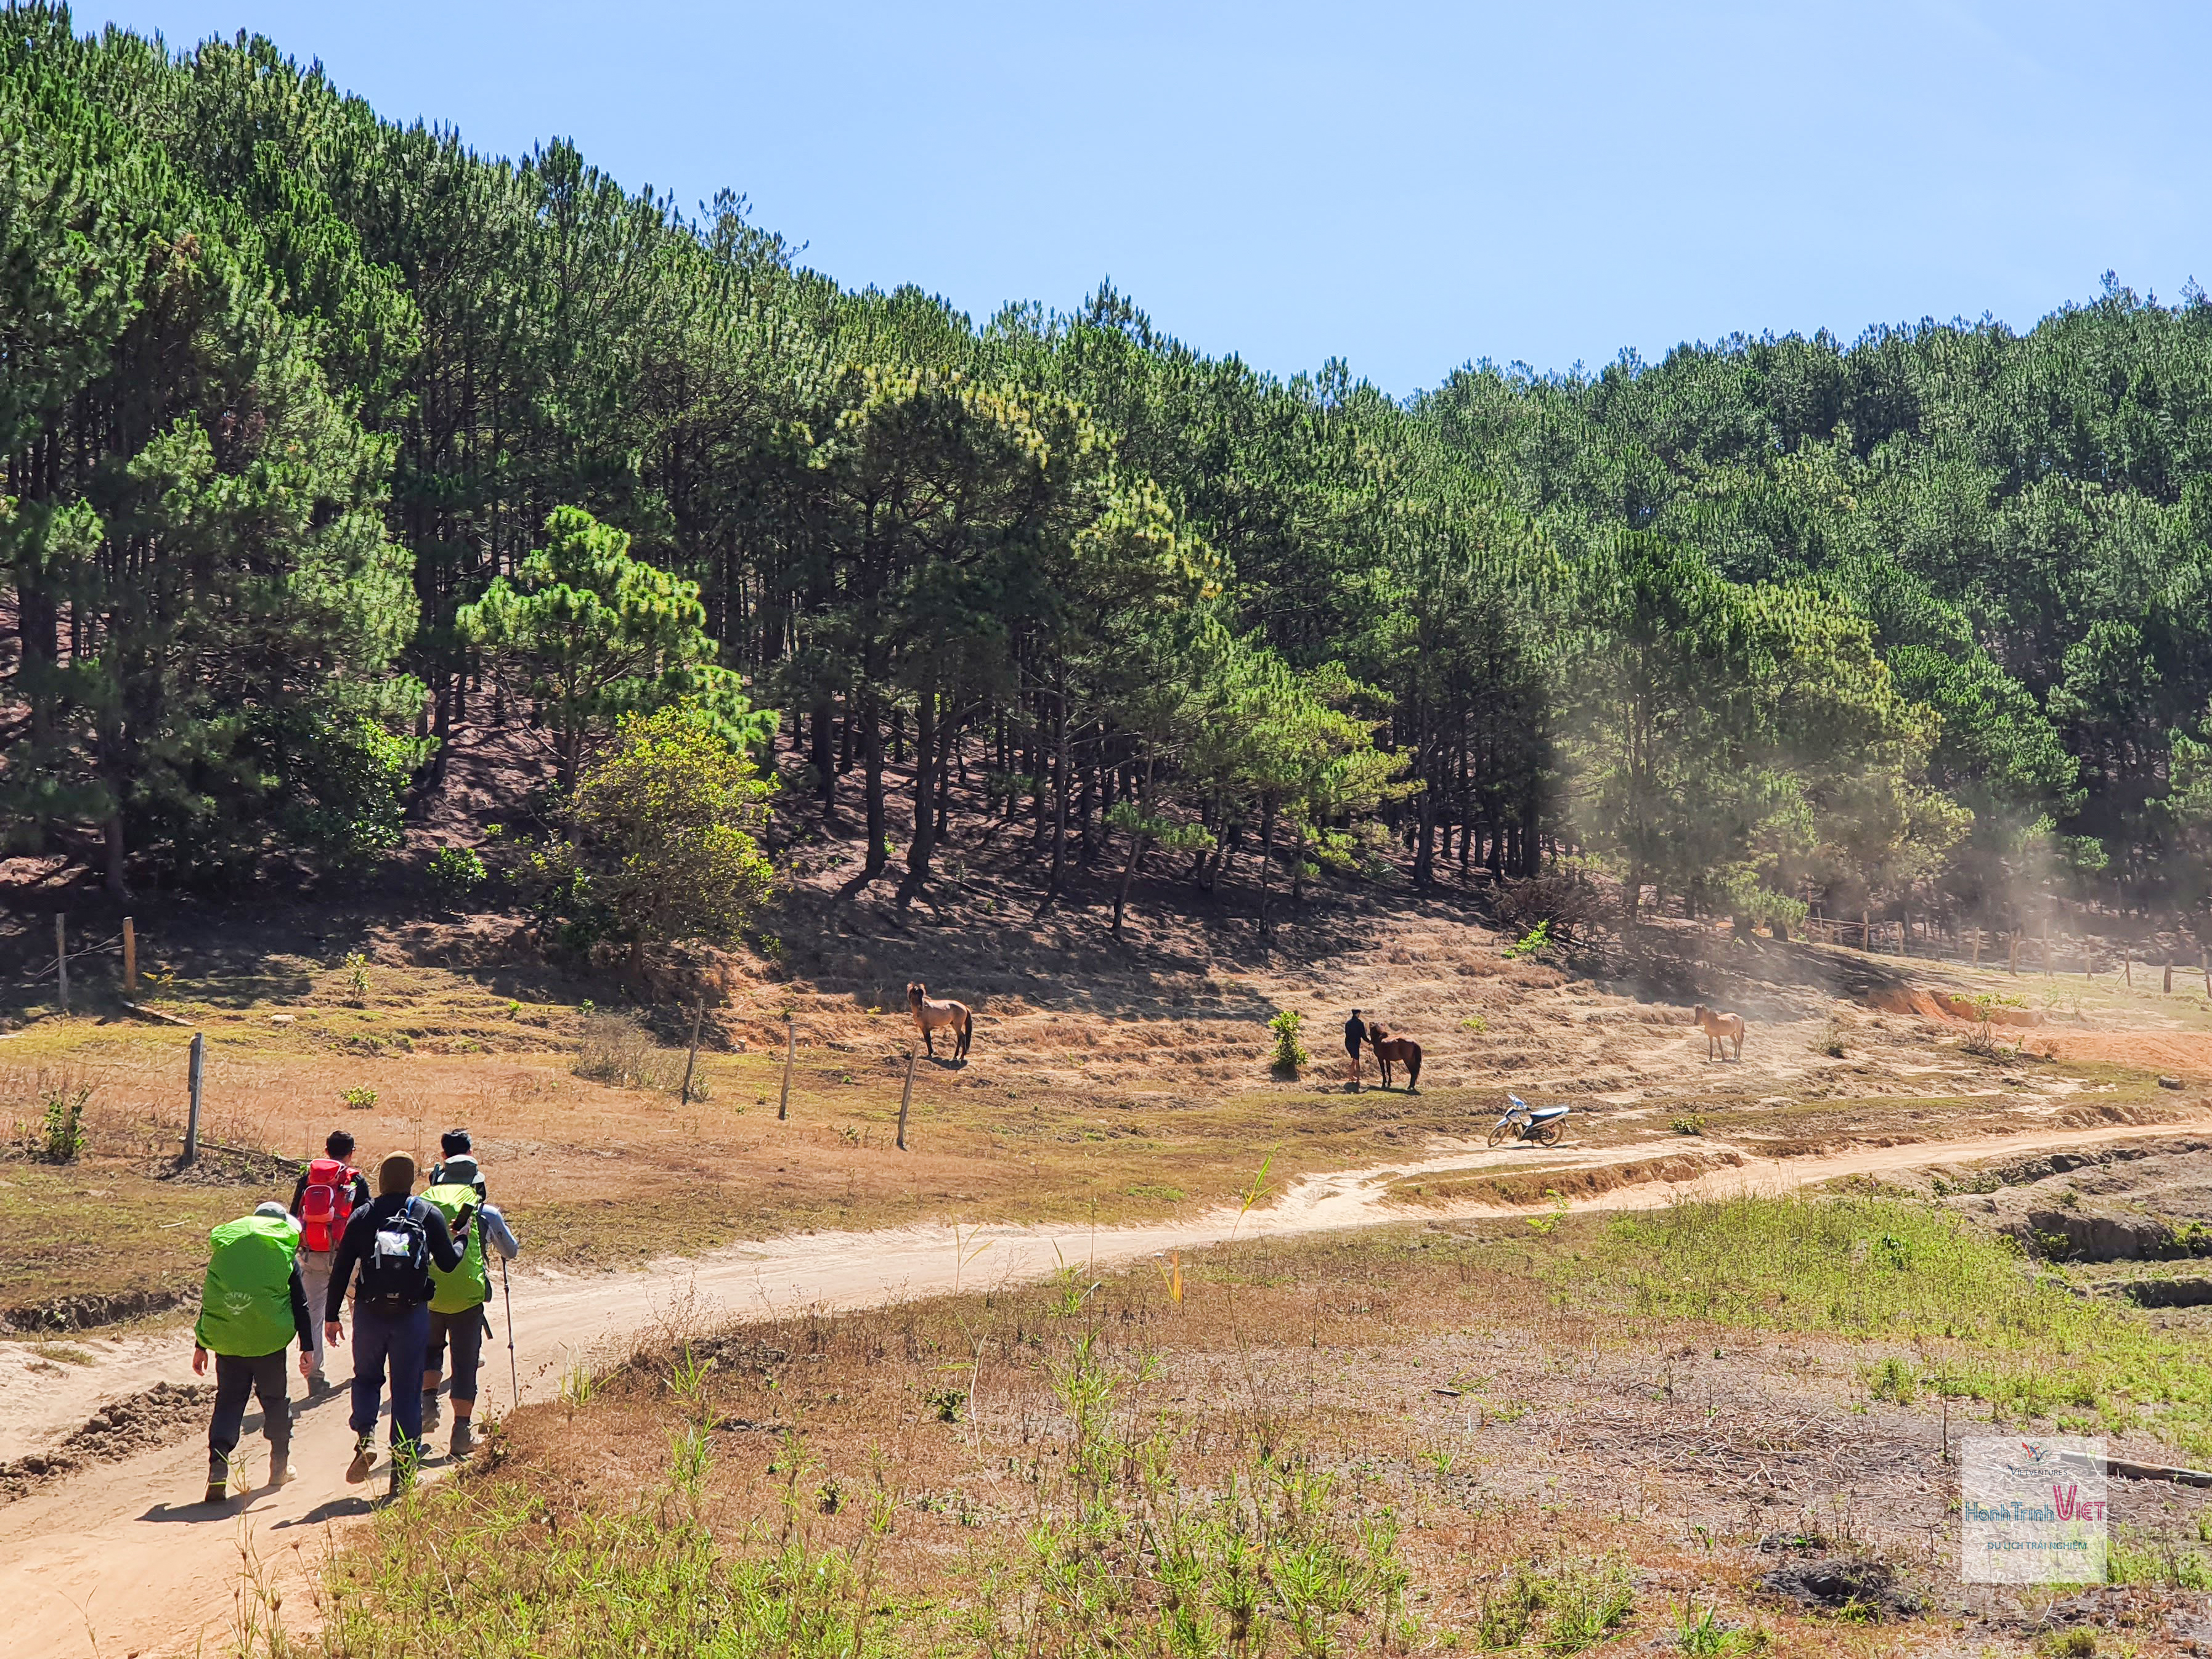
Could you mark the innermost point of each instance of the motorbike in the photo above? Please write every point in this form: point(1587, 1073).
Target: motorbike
point(1544, 1125)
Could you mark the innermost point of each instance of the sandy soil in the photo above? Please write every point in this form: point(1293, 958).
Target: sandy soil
point(124, 1557)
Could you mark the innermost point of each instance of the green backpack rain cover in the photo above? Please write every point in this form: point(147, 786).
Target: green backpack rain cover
point(245, 1305)
point(468, 1285)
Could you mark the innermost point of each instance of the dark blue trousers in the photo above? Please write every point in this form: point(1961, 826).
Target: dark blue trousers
point(389, 1341)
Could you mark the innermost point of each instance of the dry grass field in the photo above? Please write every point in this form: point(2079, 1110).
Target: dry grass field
point(1497, 1421)
point(1108, 1084)
point(1467, 1437)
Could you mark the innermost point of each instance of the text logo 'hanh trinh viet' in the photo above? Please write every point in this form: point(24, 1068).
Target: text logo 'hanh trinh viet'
point(2032, 1511)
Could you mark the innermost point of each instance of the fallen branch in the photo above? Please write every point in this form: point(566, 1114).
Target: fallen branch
point(2126, 1471)
point(141, 1009)
point(247, 1151)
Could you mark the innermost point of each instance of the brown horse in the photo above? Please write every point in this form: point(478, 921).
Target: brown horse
point(1404, 1050)
point(930, 1013)
point(1720, 1030)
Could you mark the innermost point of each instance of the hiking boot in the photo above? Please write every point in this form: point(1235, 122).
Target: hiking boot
point(464, 1441)
point(364, 1458)
point(218, 1492)
point(403, 1480)
point(429, 1409)
point(318, 1386)
point(281, 1471)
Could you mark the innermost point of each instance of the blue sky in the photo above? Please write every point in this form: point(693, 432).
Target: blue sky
point(1407, 187)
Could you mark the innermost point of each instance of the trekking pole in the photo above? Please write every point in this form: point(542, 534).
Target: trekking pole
point(507, 1290)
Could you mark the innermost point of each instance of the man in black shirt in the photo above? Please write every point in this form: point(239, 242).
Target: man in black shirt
point(1355, 1034)
point(392, 1242)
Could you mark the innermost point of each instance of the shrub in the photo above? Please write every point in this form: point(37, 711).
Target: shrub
point(1289, 1052)
point(359, 1098)
point(1534, 942)
point(616, 1049)
point(457, 872)
point(663, 838)
point(1893, 1381)
point(1689, 1126)
point(63, 1136)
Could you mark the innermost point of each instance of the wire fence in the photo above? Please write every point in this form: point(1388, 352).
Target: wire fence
point(2050, 956)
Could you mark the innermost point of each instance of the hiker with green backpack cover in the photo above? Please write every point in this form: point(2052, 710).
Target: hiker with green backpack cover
point(253, 1306)
point(457, 1298)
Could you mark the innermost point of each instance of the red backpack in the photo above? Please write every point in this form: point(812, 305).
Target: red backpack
point(327, 1203)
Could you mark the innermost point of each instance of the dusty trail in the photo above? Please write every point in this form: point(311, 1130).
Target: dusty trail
point(122, 1562)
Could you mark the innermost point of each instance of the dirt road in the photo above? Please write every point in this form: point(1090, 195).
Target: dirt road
point(123, 1561)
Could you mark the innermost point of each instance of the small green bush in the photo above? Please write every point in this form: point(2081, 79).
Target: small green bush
point(1893, 1381)
point(359, 1098)
point(457, 872)
point(1534, 942)
point(62, 1135)
point(1289, 1052)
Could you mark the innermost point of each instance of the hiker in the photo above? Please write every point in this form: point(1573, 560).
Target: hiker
point(1355, 1035)
point(454, 1143)
point(457, 1318)
point(394, 1240)
point(252, 1305)
point(330, 1190)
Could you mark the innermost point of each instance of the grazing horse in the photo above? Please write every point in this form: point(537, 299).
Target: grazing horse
point(1404, 1050)
point(930, 1013)
point(1719, 1029)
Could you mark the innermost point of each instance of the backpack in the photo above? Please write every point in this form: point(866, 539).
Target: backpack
point(396, 1265)
point(327, 1204)
point(468, 1285)
point(246, 1304)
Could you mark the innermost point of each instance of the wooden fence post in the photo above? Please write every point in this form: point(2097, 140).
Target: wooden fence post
point(1977, 944)
point(906, 1095)
point(2167, 989)
point(2046, 947)
point(790, 1049)
point(130, 958)
point(698, 1013)
point(192, 1121)
point(2128, 964)
point(61, 959)
point(2012, 953)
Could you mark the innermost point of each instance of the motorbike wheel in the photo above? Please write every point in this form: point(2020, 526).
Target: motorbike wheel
point(1548, 1135)
point(1499, 1134)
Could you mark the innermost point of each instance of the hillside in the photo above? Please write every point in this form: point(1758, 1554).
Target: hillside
point(510, 654)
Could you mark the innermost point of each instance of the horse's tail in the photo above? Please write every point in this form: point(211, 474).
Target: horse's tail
point(967, 1027)
point(1413, 1066)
